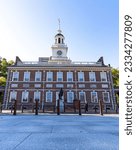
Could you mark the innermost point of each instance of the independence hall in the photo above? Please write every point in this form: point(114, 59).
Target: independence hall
point(88, 82)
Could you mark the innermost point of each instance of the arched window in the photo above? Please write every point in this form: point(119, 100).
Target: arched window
point(59, 40)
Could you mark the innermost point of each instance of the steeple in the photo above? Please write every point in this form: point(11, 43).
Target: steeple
point(59, 37)
point(59, 26)
point(59, 48)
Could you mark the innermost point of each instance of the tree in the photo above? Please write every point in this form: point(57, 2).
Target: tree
point(115, 76)
point(2, 81)
point(3, 73)
point(3, 70)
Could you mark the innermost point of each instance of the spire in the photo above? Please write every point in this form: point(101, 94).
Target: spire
point(59, 30)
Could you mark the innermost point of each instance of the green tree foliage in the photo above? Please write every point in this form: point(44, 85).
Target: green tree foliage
point(115, 76)
point(2, 81)
point(3, 74)
point(3, 70)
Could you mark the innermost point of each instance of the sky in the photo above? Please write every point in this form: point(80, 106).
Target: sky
point(90, 27)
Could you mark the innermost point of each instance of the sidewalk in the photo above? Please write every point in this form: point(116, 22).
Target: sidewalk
point(64, 132)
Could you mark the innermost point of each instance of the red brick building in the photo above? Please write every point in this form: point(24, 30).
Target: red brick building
point(86, 81)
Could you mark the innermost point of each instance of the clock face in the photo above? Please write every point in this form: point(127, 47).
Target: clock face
point(59, 52)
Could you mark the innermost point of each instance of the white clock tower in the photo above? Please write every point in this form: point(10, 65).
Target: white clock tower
point(59, 49)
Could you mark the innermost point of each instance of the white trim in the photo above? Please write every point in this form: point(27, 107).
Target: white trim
point(107, 97)
point(70, 98)
point(49, 77)
point(26, 76)
point(103, 76)
point(37, 95)
point(13, 95)
point(15, 76)
point(38, 76)
point(48, 96)
point(59, 76)
point(69, 76)
point(96, 97)
point(81, 77)
point(83, 96)
point(25, 95)
point(92, 76)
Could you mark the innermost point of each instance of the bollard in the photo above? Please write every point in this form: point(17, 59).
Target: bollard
point(15, 107)
point(22, 109)
point(79, 106)
point(36, 107)
point(101, 107)
point(58, 107)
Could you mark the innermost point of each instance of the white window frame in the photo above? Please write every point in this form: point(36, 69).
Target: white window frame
point(49, 77)
point(27, 76)
point(13, 95)
point(103, 76)
point(15, 76)
point(70, 98)
point(69, 76)
point(81, 76)
point(38, 76)
point(84, 96)
point(47, 96)
point(59, 76)
point(92, 76)
point(37, 95)
point(108, 96)
point(25, 95)
point(94, 98)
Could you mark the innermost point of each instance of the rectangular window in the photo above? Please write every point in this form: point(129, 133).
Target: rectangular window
point(93, 86)
point(81, 85)
point(26, 76)
point(104, 85)
point(94, 97)
point(15, 76)
point(92, 76)
point(14, 85)
point(69, 85)
point(103, 76)
point(38, 76)
point(70, 97)
point(49, 76)
point(82, 96)
point(25, 85)
point(37, 85)
point(81, 76)
point(106, 97)
point(37, 95)
point(49, 85)
point(25, 96)
point(49, 96)
point(69, 76)
point(59, 76)
point(59, 85)
point(13, 95)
